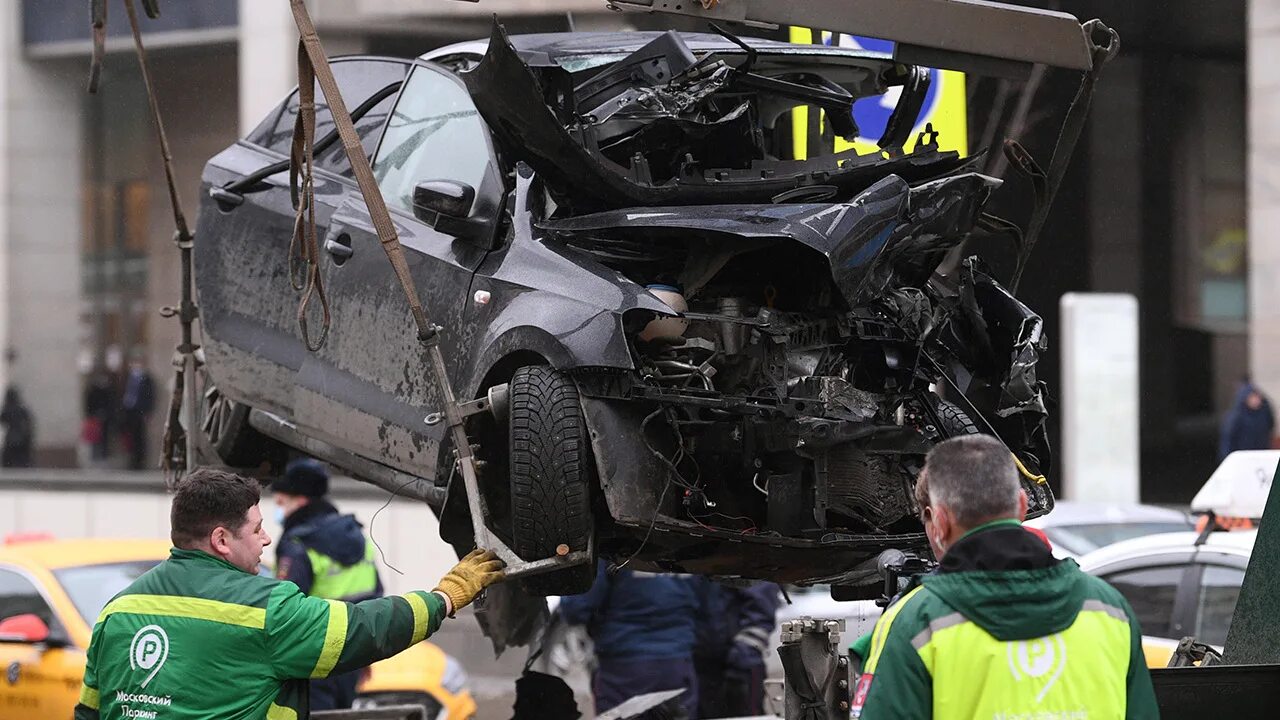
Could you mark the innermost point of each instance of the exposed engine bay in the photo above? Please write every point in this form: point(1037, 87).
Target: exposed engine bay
point(798, 389)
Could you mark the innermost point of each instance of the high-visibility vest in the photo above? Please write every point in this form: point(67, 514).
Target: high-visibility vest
point(1079, 672)
point(335, 581)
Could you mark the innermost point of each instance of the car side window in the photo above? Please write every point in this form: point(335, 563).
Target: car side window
point(359, 80)
point(435, 134)
point(1151, 592)
point(19, 596)
point(1216, 602)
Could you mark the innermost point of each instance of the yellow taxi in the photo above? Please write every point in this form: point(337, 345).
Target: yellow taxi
point(51, 592)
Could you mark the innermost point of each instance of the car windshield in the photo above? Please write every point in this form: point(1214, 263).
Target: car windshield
point(90, 587)
point(1081, 539)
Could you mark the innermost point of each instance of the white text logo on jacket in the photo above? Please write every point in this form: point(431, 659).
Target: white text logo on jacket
point(149, 650)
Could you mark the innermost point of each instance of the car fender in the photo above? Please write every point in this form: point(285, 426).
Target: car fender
point(538, 295)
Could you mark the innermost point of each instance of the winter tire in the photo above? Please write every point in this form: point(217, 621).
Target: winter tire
point(552, 472)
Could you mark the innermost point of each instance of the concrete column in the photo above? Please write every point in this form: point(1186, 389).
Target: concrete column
point(1264, 193)
point(268, 58)
point(41, 156)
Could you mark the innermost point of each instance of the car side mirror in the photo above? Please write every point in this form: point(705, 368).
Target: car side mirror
point(28, 629)
point(446, 205)
point(443, 197)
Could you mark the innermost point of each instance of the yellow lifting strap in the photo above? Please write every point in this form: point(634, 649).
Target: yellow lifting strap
point(1038, 479)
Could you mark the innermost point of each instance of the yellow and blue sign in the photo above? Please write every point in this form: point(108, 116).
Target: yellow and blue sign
point(944, 104)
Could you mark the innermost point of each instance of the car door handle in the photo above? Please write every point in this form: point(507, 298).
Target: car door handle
point(227, 200)
point(339, 247)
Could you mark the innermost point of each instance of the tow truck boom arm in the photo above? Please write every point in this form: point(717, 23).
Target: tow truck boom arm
point(973, 35)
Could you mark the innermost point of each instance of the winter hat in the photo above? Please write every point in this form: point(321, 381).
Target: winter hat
point(304, 476)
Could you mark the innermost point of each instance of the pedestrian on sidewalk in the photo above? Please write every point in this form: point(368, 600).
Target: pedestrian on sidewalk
point(203, 635)
point(1249, 425)
point(1003, 629)
point(19, 430)
point(136, 405)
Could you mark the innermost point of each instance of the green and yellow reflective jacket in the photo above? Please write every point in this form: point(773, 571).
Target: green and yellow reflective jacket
point(196, 637)
point(1048, 642)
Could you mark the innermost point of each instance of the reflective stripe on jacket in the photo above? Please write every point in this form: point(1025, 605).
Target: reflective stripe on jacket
point(197, 638)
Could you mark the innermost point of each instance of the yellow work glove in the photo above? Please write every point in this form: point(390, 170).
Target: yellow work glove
point(473, 573)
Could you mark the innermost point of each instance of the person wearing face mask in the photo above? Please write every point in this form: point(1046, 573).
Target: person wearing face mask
point(1001, 628)
point(326, 555)
point(203, 635)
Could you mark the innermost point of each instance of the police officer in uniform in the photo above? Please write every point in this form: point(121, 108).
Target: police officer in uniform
point(1002, 629)
point(326, 555)
point(202, 635)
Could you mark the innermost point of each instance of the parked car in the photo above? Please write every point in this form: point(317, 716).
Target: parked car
point(51, 592)
point(1176, 587)
point(703, 354)
point(1076, 528)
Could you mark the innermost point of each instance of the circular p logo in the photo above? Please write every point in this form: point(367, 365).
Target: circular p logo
point(149, 650)
point(1042, 659)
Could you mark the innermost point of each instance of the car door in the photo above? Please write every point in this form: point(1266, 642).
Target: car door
point(241, 256)
point(1155, 592)
point(369, 389)
point(1215, 590)
point(39, 681)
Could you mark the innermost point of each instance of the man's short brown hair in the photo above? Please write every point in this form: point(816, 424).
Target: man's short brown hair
point(207, 499)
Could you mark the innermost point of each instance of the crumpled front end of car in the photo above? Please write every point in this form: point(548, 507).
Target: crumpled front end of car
point(791, 400)
point(824, 330)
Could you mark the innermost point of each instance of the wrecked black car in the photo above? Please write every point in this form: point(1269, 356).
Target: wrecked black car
point(696, 352)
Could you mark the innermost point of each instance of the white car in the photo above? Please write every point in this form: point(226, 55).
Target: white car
point(1076, 528)
point(1176, 587)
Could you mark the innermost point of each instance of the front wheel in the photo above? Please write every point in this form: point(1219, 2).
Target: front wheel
point(552, 473)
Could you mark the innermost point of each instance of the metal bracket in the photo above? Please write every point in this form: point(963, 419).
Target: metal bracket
point(495, 401)
point(816, 673)
point(516, 566)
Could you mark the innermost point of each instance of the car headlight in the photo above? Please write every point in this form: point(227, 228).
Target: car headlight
point(455, 678)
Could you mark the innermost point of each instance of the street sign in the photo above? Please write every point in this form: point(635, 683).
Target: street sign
point(944, 104)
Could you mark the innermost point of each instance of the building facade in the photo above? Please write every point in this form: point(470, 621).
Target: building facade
point(1158, 202)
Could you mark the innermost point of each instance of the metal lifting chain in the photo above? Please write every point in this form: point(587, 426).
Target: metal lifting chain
point(177, 447)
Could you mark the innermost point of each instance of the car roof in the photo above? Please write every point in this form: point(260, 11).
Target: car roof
point(59, 554)
point(1075, 512)
point(546, 48)
point(1238, 543)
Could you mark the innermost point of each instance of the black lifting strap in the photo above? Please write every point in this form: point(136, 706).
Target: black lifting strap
point(1047, 183)
point(305, 245)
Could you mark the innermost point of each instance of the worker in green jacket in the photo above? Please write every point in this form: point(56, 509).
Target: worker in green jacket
point(1002, 629)
point(202, 635)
